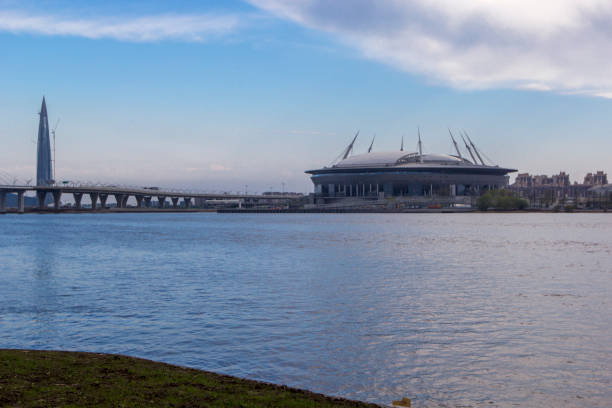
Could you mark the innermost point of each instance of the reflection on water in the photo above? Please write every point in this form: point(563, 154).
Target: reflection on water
point(448, 309)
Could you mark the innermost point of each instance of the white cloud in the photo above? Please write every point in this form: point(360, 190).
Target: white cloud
point(558, 45)
point(137, 29)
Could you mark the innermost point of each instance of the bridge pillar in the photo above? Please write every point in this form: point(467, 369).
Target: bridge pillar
point(187, 201)
point(147, 200)
point(119, 200)
point(57, 195)
point(103, 198)
point(77, 200)
point(174, 202)
point(20, 201)
point(2, 201)
point(94, 200)
point(42, 196)
point(139, 201)
point(125, 201)
point(162, 201)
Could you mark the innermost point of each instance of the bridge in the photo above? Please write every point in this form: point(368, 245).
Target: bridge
point(99, 195)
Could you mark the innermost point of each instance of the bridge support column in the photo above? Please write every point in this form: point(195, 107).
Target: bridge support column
point(103, 198)
point(187, 201)
point(77, 200)
point(42, 196)
point(161, 201)
point(147, 201)
point(124, 201)
point(20, 201)
point(2, 201)
point(94, 200)
point(57, 195)
point(119, 200)
point(139, 201)
point(174, 202)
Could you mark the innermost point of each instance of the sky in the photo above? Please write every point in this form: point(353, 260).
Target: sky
point(233, 95)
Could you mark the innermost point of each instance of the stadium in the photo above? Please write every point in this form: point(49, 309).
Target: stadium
point(379, 175)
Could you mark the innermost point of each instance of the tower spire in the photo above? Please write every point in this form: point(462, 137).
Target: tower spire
point(43, 156)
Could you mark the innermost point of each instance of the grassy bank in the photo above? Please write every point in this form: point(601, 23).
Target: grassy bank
point(31, 378)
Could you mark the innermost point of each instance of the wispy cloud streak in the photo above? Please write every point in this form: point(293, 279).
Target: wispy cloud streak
point(138, 29)
point(557, 45)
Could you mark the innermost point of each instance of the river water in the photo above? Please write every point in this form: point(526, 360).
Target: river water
point(447, 309)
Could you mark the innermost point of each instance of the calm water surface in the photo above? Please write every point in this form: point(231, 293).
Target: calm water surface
point(447, 309)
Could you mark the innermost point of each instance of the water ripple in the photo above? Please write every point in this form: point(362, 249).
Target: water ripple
point(450, 310)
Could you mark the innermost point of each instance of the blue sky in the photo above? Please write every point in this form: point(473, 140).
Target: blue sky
point(218, 94)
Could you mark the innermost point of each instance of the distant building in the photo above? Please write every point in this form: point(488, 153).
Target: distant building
point(411, 175)
point(561, 180)
point(44, 175)
point(525, 180)
point(598, 179)
point(545, 191)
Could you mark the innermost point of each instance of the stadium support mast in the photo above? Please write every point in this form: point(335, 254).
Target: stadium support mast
point(469, 149)
point(455, 144)
point(475, 149)
point(402, 146)
point(420, 146)
point(349, 148)
point(371, 144)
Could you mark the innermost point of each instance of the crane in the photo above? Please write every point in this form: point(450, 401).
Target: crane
point(53, 133)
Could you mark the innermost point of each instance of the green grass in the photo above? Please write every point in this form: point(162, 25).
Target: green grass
point(30, 378)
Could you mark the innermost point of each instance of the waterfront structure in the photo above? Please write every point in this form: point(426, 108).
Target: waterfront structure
point(143, 196)
point(44, 175)
point(379, 175)
point(548, 191)
point(268, 200)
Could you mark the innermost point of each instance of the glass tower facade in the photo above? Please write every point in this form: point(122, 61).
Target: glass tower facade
point(44, 175)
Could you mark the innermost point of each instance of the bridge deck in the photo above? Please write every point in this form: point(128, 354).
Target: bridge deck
point(121, 194)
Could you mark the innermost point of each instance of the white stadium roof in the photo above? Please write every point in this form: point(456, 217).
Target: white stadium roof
point(397, 158)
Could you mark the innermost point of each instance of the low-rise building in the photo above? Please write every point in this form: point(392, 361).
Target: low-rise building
point(598, 179)
point(547, 191)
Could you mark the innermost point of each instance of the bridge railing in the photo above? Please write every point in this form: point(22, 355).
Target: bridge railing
point(107, 188)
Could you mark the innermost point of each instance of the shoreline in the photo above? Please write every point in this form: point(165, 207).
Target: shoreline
point(30, 378)
point(298, 211)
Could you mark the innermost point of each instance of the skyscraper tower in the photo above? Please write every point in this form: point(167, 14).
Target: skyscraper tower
point(44, 176)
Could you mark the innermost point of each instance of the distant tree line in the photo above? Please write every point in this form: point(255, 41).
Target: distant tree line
point(501, 200)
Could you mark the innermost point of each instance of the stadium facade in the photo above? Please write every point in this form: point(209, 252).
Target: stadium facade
point(376, 175)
